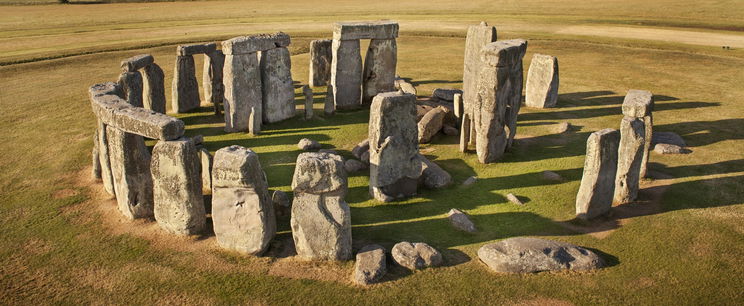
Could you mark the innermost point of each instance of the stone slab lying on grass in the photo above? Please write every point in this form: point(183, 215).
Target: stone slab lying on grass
point(529, 255)
point(512, 198)
point(370, 264)
point(417, 255)
point(446, 94)
point(668, 138)
point(430, 124)
point(665, 148)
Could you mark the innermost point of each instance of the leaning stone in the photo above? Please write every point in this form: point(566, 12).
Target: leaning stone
point(600, 168)
point(477, 37)
point(665, 148)
point(131, 84)
point(214, 88)
point(242, 210)
point(321, 56)
point(360, 148)
point(321, 219)
point(329, 107)
point(308, 93)
point(307, 144)
point(512, 198)
point(379, 68)
point(255, 43)
point(370, 264)
point(433, 176)
point(276, 83)
point(353, 165)
point(542, 82)
point(430, 125)
point(153, 91)
point(130, 171)
point(346, 74)
point(667, 138)
point(529, 255)
point(470, 181)
point(464, 133)
point(551, 176)
point(629, 158)
point(242, 80)
point(365, 30)
point(461, 221)
point(638, 103)
point(446, 94)
point(185, 89)
point(421, 111)
point(206, 160)
point(401, 84)
point(137, 62)
point(417, 255)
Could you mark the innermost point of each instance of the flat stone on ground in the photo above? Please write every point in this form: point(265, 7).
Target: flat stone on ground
point(370, 264)
point(529, 255)
point(417, 255)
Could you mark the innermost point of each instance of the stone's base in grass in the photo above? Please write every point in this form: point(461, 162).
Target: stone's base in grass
point(417, 255)
point(551, 176)
point(370, 264)
point(528, 255)
point(461, 221)
point(665, 148)
point(668, 138)
point(307, 144)
point(561, 128)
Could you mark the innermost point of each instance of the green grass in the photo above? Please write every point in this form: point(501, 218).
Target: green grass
point(71, 249)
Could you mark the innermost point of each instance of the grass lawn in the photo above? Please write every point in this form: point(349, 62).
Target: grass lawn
point(64, 242)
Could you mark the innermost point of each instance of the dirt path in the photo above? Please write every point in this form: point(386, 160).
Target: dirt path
point(668, 35)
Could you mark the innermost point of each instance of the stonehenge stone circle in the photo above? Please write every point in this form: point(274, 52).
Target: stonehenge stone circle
point(214, 89)
point(499, 97)
point(629, 159)
point(640, 104)
point(131, 85)
point(346, 74)
point(600, 168)
point(393, 147)
point(417, 255)
point(276, 84)
point(176, 174)
point(530, 255)
point(321, 219)
point(321, 56)
point(153, 97)
point(379, 68)
point(542, 82)
point(130, 170)
point(370, 265)
point(242, 209)
point(478, 36)
point(185, 90)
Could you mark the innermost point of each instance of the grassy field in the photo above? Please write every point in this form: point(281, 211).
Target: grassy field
point(64, 242)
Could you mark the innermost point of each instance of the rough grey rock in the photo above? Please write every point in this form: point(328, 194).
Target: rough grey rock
point(433, 176)
point(131, 84)
point(130, 172)
point(551, 176)
point(370, 264)
point(421, 111)
point(242, 80)
point(329, 106)
point(365, 157)
point(254, 121)
point(255, 43)
point(331, 151)
point(600, 168)
point(214, 88)
point(465, 133)
point(276, 85)
point(360, 148)
point(192, 49)
point(104, 159)
point(206, 160)
point(185, 89)
point(353, 165)
point(461, 221)
point(457, 102)
point(477, 37)
point(321, 56)
point(401, 84)
point(447, 94)
point(177, 182)
point(96, 158)
point(512, 198)
point(346, 74)
point(470, 181)
point(393, 147)
point(430, 124)
point(242, 209)
point(668, 138)
point(281, 203)
point(137, 62)
point(321, 219)
point(417, 255)
point(529, 255)
point(542, 82)
point(382, 29)
point(114, 111)
point(665, 148)
point(153, 90)
point(307, 144)
point(561, 128)
point(629, 158)
point(308, 93)
point(379, 68)
point(449, 130)
point(638, 103)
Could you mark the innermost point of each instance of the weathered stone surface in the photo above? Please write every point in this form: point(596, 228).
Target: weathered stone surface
point(417, 255)
point(206, 48)
point(648, 123)
point(176, 173)
point(600, 168)
point(379, 68)
point(205, 159)
point(461, 221)
point(470, 181)
point(276, 83)
point(383, 29)
point(329, 106)
point(551, 176)
point(433, 176)
point(104, 159)
point(321, 56)
point(112, 110)
point(446, 94)
point(665, 148)
point(153, 91)
point(360, 148)
point(307, 144)
point(497, 103)
point(242, 80)
point(255, 43)
point(353, 165)
point(638, 103)
point(529, 255)
point(393, 147)
point(478, 36)
point(254, 121)
point(321, 219)
point(346, 74)
point(214, 88)
point(430, 125)
point(561, 128)
point(401, 84)
point(280, 199)
point(96, 158)
point(421, 111)
point(629, 158)
point(542, 82)
point(131, 84)
point(449, 130)
point(457, 101)
point(465, 133)
point(185, 89)
point(242, 209)
point(370, 264)
point(512, 198)
point(365, 157)
point(668, 138)
point(137, 62)
point(307, 92)
point(130, 171)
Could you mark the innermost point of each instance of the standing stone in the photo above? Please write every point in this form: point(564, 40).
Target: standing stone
point(154, 89)
point(640, 104)
point(465, 133)
point(478, 36)
point(242, 210)
point(499, 96)
point(457, 101)
point(321, 219)
point(206, 159)
point(629, 158)
point(214, 89)
point(329, 106)
point(176, 173)
point(104, 158)
point(276, 84)
point(598, 181)
point(542, 82)
point(379, 68)
point(308, 93)
point(321, 56)
point(242, 79)
point(130, 171)
point(131, 84)
point(185, 89)
point(393, 146)
point(346, 74)
point(370, 264)
point(96, 158)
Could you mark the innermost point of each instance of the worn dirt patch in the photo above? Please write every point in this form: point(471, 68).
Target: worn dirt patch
point(542, 301)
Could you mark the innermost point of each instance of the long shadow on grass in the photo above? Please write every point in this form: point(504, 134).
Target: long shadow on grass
point(600, 97)
point(607, 111)
point(700, 133)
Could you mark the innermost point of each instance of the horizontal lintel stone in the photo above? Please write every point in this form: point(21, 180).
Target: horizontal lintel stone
point(383, 29)
point(137, 62)
point(255, 43)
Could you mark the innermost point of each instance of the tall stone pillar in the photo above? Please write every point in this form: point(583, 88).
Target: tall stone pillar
point(379, 68)
point(185, 88)
point(130, 171)
point(321, 56)
point(214, 89)
point(640, 104)
point(477, 37)
point(154, 88)
point(242, 78)
point(276, 83)
point(346, 74)
point(131, 85)
point(598, 181)
point(104, 159)
point(629, 158)
point(542, 82)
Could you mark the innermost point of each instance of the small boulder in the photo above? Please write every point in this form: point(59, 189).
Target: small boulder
point(469, 181)
point(551, 176)
point(307, 144)
point(450, 130)
point(360, 148)
point(401, 84)
point(430, 124)
point(668, 138)
point(528, 255)
point(370, 264)
point(417, 255)
point(353, 165)
point(461, 221)
point(446, 94)
point(665, 148)
point(561, 128)
point(512, 198)
point(433, 176)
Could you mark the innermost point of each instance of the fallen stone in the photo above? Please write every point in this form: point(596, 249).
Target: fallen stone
point(667, 138)
point(529, 255)
point(542, 82)
point(512, 198)
point(446, 94)
point(379, 68)
point(433, 176)
point(130, 172)
point(629, 158)
point(417, 255)
point(401, 84)
point(561, 128)
point(321, 56)
point(421, 111)
point(153, 90)
point(665, 148)
point(430, 125)
point(365, 30)
point(307, 144)
point(461, 221)
point(184, 50)
point(308, 93)
point(600, 168)
point(360, 148)
point(346, 74)
point(469, 181)
point(551, 176)
point(254, 43)
point(137, 62)
point(370, 264)
point(243, 97)
point(353, 165)
point(277, 91)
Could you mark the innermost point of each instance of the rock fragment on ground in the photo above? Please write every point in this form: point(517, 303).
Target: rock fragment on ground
point(417, 255)
point(461, 221)
point(370, 264)
point(665, 148)
point(512, 198)
point(307, 144)
point(528, 255)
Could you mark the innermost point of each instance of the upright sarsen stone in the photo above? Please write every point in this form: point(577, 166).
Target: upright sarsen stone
point(629, 159)
point(276, 83)
point(307, 92)
point(185, 90)
point(379, 68)
point(131, 85)
point(598, 181)
point(242, 211)
point(153, 93)
point(393, 146)
point(242, 79)
point(321, 219)
point(103, 157)
point(346, 74)
point(478, 36)
point(214, 89)
point(130, 171)
point(321, 56)
point(542, 82)
point(640, 104)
